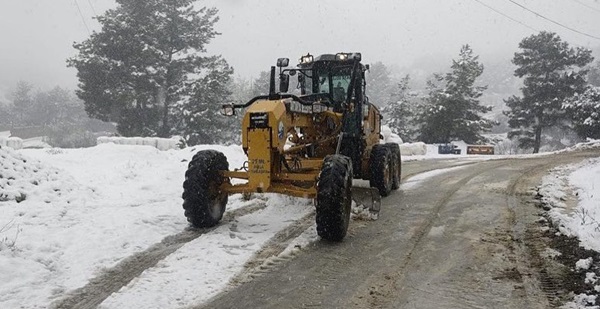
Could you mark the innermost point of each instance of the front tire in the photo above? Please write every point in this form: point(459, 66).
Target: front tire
point(380, 165)
point(334, 197)
point(203, 201)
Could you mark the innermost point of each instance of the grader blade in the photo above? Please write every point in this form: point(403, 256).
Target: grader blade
point(367, 197)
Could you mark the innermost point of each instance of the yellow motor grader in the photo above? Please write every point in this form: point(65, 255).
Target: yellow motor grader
point(310, 144)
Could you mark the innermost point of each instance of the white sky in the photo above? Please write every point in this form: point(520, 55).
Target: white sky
point(36, 36)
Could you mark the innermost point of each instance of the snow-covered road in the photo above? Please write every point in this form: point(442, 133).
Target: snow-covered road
point(86, 211)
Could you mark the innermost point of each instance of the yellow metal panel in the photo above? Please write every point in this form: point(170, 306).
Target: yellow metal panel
point(276, 113)
point(259, 159)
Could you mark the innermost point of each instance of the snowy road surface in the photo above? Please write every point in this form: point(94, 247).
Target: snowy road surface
point(103, 227)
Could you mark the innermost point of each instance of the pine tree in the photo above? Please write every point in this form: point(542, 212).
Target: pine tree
point(260, 85)
point(379, 83)
point(452, 110)
point(549, 68)
point(146, 60)
point(584, 110)
point(594, 75)
point(22, 103)
point(399, 110)
point(201, 122)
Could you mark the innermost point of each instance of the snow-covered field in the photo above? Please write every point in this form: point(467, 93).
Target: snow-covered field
point(68, 215)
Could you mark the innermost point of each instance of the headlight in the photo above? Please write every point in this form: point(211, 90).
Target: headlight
point(341, 56)
point(306, 59)
point(227, 110)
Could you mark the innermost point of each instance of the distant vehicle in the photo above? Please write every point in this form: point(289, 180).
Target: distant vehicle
point(448, 148)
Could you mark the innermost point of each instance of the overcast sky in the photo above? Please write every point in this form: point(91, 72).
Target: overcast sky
point(36, 36)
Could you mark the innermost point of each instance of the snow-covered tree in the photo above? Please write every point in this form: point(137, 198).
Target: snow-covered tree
point(584, 110)
point(594, 75)
point(452, 110)
point(400, 110)
point(260, 85)
point(552, 73)
point(22, 99)
point(379, 83)
point(200, 118)
point(145, 63)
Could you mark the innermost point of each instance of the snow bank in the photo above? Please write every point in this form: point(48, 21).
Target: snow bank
point(581, 220)
point(406, 149)
point(12, 142)
point(413, 149)
point(156, 142)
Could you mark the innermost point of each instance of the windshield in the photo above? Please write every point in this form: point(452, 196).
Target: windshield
point(328, 80)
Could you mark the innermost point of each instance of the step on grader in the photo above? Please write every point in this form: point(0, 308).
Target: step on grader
point(310, 143)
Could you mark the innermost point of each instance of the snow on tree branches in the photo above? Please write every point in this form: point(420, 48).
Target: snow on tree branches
point(552, 73)
point(585, 112)
point(145, 65)
point(452, 111)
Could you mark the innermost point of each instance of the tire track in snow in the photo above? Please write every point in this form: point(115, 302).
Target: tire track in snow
point(268, 257)
point(113, 279)
point(380, 294)
point(530, 238)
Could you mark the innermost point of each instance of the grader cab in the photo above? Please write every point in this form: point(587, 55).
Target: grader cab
point(310, 144)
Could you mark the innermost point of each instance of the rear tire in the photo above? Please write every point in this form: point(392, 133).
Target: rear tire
point(203, 201)
point(334, 197)
point(381, 169)
point(396, 164)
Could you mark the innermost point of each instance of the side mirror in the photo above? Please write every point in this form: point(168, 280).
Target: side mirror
point(368, 67)
point(284, 82)
point(283, 62)
point(227, 110)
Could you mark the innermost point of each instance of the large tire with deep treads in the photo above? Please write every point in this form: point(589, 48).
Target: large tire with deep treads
point(203, 201)
point(334, 197)
point(396, 164)
point(380, 166)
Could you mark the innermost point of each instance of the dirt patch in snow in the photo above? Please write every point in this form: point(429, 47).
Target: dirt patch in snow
point(560, 278)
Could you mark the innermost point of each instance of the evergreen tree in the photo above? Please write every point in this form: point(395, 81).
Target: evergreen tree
point(549, 68)
point(584, 110)
point(146, 63)
point(260, 85)
point(379, 84)
point(399, 110)
point(22, 98)
point(201, 121)
point(594, 75)
point(57, 106)
point(452, 110)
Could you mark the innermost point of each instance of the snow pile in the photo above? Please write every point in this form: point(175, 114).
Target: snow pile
point(12, 142)
point(22, 178)
point(406, 149)
point(156, 142)
point(36, 143)
point(413, 149)
point(582, 220)
point(590, 144)
point(389, 137)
